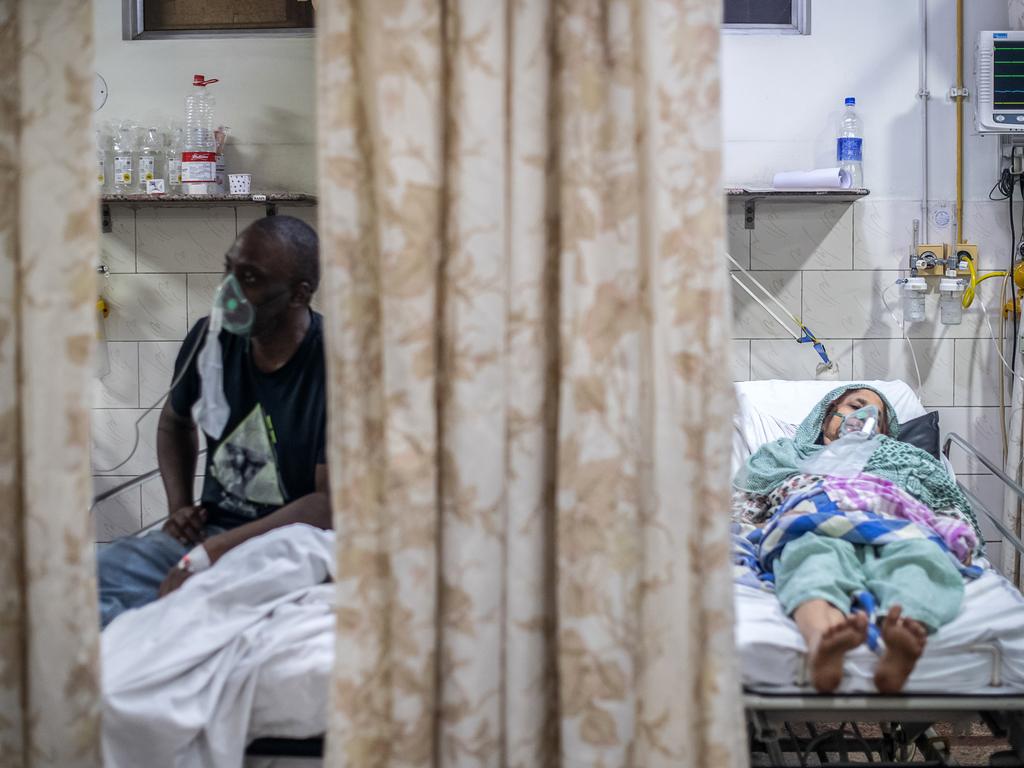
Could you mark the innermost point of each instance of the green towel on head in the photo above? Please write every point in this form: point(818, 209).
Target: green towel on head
point(910, 468)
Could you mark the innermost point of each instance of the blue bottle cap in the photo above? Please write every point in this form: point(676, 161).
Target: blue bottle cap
point(850, 101)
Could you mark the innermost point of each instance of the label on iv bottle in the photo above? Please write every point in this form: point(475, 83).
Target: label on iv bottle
point(174, 171)
point(147, 168)
point(101, 175)
point(848, 149)
point(123, 169)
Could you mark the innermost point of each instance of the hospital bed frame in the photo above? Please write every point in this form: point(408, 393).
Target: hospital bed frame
point(904, 722)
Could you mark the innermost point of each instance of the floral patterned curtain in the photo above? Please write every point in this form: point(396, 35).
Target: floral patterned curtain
point(49, 240)
point(522, 225)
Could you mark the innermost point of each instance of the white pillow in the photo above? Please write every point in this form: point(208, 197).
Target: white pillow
point(752, 428)
point(768, 410)
point(791, 401)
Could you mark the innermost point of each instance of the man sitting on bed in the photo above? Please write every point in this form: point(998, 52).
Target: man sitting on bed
point(840, 525)
point(265, 459)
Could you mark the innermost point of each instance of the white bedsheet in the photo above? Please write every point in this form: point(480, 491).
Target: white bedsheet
point(959, 658)
point(190, 679)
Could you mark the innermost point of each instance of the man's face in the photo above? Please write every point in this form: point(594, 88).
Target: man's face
point(848, 403)
point(263, 270)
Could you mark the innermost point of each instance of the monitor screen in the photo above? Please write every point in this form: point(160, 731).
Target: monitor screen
point(1008, 75)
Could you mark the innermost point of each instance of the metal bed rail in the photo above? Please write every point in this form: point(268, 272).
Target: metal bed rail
point(997, 521)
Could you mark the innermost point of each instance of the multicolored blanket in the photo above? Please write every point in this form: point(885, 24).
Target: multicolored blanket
point(862, 510)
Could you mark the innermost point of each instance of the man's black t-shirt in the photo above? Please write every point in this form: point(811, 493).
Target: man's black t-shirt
point(274, 438)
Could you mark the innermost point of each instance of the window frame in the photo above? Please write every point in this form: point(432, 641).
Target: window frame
point(799, 25)
point(133, 28)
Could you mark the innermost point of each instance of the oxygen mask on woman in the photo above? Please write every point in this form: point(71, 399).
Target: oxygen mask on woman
point(849, 453)
point(863, 420)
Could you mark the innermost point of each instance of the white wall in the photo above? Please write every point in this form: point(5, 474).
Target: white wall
point(265, 94)
point(782, 95)
point(830, 262)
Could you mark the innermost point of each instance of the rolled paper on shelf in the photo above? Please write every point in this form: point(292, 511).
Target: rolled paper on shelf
point(819, 178)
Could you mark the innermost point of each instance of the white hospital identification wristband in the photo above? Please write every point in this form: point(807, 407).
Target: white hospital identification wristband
point(195, 561)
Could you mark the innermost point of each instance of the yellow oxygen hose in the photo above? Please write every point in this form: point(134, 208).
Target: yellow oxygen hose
point(975, 281)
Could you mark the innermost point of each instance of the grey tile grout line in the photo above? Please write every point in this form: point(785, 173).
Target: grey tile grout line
point(138, 374)
point(853, 237)
point(135, 238)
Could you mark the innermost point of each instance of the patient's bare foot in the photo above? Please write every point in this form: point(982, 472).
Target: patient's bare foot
point(826, 659)
point(904, 643)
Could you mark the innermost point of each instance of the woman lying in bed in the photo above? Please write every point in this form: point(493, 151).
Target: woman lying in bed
point(847, 525)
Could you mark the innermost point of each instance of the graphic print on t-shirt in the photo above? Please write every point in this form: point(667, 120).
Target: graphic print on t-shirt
point(246, 467)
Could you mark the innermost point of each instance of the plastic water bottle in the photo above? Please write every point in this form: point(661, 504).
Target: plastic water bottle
point(849, 145)
point(199, 158)
point(123, 147)
point(148, 153)
point(174, 147)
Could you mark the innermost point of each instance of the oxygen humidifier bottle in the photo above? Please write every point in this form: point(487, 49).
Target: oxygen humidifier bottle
point(849, 145)
point(199, 159)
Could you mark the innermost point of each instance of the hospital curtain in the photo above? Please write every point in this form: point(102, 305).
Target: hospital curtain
point(49, 236)
point(530, 402)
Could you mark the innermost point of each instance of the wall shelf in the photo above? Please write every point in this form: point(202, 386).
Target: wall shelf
point(750, 195)
point(270, 200)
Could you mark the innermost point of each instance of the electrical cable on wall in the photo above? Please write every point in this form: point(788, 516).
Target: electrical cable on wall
point(903, 331)
point(138, 434)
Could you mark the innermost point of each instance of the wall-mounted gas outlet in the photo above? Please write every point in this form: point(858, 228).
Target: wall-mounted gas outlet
point(931, 259)
point(942, 260)
point(963, 251)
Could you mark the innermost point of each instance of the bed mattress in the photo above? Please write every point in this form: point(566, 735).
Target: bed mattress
point(980, 652)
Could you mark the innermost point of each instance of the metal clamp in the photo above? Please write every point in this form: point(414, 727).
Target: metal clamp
point(958, 93)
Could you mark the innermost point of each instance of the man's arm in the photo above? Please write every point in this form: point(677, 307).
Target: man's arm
point(313, 509)
point(177, 447)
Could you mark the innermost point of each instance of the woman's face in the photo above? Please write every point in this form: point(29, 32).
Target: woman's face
point(848, 403)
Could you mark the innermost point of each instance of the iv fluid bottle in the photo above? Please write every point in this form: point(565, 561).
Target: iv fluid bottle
point(849, 145)
point(124, 160)
point(101, 160)
point(199, 158)
point(148, 153)
point(175, 146)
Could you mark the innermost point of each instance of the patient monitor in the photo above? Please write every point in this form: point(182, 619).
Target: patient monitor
point(999, 82)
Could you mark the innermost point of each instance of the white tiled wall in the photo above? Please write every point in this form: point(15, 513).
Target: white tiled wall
point(830, 263)
point(164, 264)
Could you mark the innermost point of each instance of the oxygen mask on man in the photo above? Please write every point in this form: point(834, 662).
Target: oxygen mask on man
point(234, 313)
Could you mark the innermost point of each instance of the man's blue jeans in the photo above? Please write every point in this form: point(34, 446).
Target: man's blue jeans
point(131, 570)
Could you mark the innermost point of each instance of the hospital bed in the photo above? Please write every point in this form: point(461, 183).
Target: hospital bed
point(974, 667)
